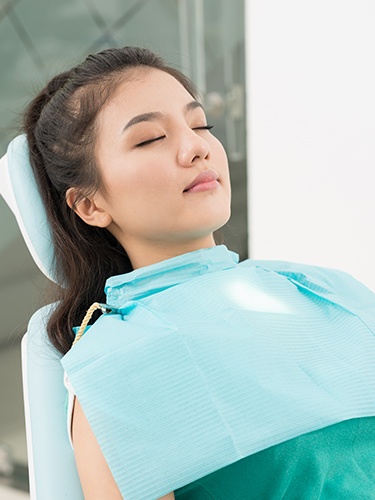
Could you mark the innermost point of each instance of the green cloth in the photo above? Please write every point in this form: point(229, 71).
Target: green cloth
point(336, 462)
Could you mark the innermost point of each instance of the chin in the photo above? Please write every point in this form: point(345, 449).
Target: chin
point(208, 227)
point(222, 219)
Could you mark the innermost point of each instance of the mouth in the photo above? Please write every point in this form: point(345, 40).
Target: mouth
point(204, 181)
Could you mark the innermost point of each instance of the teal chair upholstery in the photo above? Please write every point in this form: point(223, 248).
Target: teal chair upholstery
point(52, 470)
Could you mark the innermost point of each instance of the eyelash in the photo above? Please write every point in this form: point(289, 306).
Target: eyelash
point(150, 141)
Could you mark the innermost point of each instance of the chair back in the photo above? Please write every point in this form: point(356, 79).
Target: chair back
point(52, 469)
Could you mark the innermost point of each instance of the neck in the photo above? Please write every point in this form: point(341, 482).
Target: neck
point(145, 253)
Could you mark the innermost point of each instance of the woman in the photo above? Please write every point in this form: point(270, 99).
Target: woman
point(207, 379)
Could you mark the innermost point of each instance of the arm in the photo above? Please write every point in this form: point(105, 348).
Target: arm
point(95, 476)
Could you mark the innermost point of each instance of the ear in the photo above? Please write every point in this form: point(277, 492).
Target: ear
point(87, 209)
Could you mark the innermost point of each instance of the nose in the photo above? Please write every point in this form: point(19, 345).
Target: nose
point(192, 148)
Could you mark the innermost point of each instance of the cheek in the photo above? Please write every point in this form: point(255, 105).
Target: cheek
point(142, 185)
point(219, 154)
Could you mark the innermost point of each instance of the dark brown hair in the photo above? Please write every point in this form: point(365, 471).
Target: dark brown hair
point(60, 124)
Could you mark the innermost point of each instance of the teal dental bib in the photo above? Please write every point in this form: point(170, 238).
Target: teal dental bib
point(204, 361)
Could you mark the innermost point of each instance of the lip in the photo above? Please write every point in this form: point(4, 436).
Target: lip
point(208, 179)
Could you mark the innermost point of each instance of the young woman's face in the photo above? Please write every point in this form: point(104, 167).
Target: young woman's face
point(165, 175)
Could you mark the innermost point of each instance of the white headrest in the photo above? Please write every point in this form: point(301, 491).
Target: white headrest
point(19, 189)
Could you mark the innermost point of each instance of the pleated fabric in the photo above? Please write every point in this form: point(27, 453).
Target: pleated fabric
point(204, 361)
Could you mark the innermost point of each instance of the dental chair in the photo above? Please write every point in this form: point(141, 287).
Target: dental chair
point(52, 469)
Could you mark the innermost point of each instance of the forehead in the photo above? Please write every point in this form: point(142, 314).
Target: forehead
point(146, 90)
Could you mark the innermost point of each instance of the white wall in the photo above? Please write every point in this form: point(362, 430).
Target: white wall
point(311, 132)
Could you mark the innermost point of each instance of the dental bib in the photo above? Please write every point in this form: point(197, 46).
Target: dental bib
point(203, 361)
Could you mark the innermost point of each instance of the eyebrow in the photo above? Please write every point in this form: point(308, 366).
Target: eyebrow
point(157, 115)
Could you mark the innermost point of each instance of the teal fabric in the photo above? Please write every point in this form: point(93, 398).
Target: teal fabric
point(334, 463)
point(205, 361)
point(25, 194)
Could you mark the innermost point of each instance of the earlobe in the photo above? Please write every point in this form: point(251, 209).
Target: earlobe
point(87, 209)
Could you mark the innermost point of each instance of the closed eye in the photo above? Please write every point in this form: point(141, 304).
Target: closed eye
point(204, 127)
point(149, 141)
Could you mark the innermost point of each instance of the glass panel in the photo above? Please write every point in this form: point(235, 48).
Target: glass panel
point(204, 38)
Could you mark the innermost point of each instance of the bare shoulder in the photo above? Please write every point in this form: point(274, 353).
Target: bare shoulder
point(95, 476)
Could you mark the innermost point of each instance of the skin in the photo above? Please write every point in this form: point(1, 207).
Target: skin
point(143, 202)
point(152, 143)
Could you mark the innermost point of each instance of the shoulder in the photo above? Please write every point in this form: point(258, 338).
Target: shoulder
point(322, 281)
